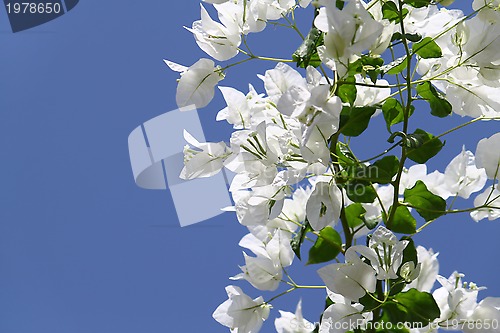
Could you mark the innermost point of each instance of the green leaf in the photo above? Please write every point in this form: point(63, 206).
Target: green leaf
point(396, 66)
point(412, 306)
point(396, 36)
point(386, 168)
point(416, 37)
point(440, 107)
point(427, 48)
point(403, 222)
point(427, 204)
point(367, 66)
point(382, 171)
point(307, 53)
point(327, 246)
point(393, 112)
point(298, 239)
point(355, 215)
point(360, 191)
point(354, 121)
point(369, 304)
point(347, 92)
point(429, 148)
point(328, 302)
point(390, 12)
point(418, 3)
point(344, 155)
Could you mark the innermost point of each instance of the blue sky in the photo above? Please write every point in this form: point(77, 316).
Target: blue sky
point(82, 248)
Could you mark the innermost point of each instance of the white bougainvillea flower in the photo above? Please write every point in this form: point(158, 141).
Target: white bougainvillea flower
point(265, 270)
point(349, 31)
point(321, 113)
point(240, 313)
point(293, 322)
point(251, 18)
point(374, 210)
point(242, 110)
point(428, 271)
point(434, 181)
point(260, 272)
point(483, 44)
point(485, 317)
point(430, 21)
point(383, 41)
point(367, 96)
point(491, 198)
point(279, 248)
point(472, 99)
point(197, 83)
point(488, 155)
point(292, 214)
point(462, 177)
point(480, 4)
point(257, 206)
point(352, 279)
point(456, 299)
point(279, 80)
point(340, 318)
point(272, 9)
point(204, 161)
point(294, 209)
point(411, 175)
point(324, 205)
point(385, 253)
point(218, 41)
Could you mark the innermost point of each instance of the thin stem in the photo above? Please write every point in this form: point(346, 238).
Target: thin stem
point(407, 109)
point(382, 153)
point(281, 294)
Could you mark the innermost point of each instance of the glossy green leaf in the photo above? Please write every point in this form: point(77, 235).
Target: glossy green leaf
point(382, 171)
point(416, 37)
point(307, 53)
point(344, 155)
point(347, 91)
point(440, 107)
point(418, 3)
point(354, 121)
point(390, 12)
point(427, 48)
point(393, 112)
point(367, 66)
point(403, 222)
point(385, 168)
point(412, 306)
point(327, 246)
point(429, 148)
point(355, 215)
point(360, 191)
point(427, 204)
point(396, 66)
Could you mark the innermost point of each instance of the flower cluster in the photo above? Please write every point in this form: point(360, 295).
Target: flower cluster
point(297, 178)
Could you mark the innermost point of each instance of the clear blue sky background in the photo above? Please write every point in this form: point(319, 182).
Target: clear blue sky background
point(82, 249)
